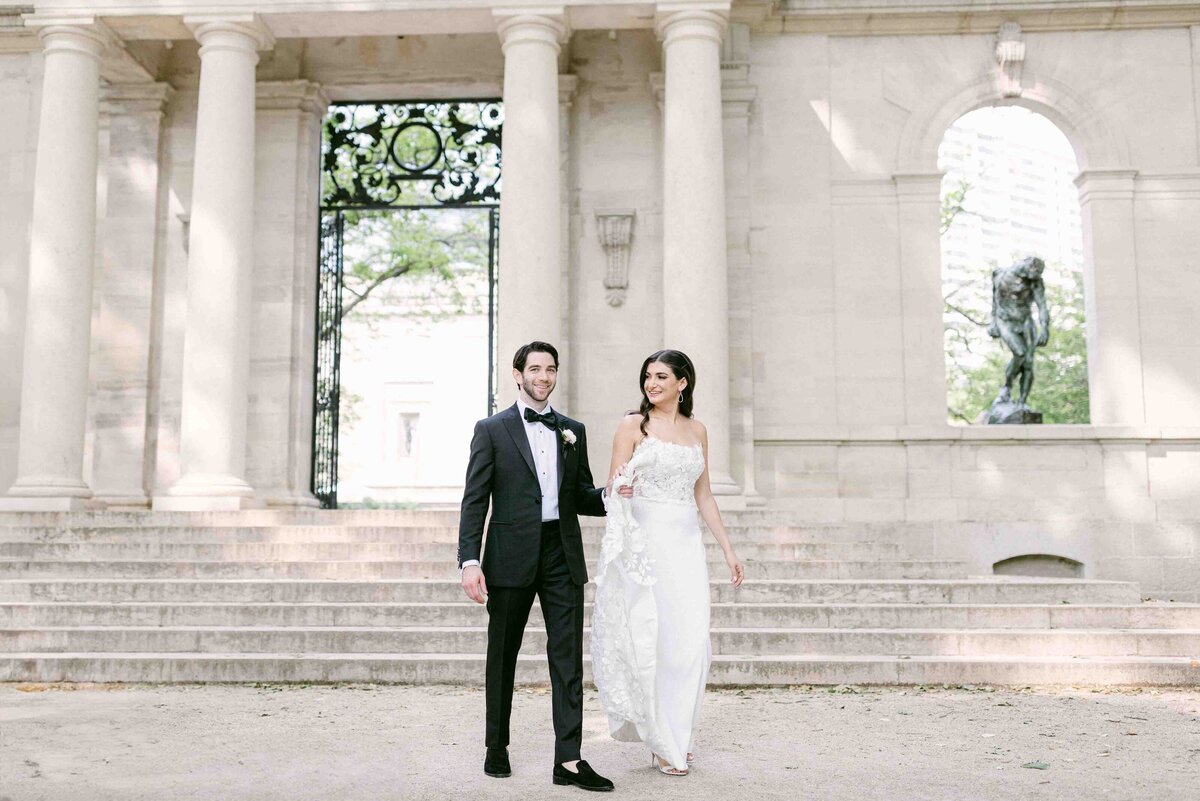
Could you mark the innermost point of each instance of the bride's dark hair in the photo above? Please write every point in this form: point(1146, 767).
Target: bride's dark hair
point(681, 366)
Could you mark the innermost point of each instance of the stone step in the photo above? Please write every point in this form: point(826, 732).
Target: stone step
point(413, 534)
point(986, 590)
point(243, 518)
point(335, 570)
point(531, 669)
point(317, 517)
point(724, 615)
point(377, 550)
point(473, 640)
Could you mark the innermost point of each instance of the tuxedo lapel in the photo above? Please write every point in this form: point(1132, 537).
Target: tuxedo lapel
point(515, 427)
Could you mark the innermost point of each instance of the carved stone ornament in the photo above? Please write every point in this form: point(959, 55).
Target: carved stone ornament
point(615, 229)
point(1010, 55)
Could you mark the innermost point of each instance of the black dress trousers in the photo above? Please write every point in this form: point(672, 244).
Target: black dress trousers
point(562, 607)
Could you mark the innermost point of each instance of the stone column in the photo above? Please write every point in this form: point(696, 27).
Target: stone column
point(1114, 339)
point(285, 272)
point(122, 460)
point(530, 280)
point(567, 85)
point(737, 97)
point(918, 210)
point(54, 383)
point(216, 351)
point(695, 278)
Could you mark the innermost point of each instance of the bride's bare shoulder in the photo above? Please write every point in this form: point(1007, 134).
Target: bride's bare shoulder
point(632, 421)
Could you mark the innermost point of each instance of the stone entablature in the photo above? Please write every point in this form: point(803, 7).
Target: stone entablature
point(147, 20)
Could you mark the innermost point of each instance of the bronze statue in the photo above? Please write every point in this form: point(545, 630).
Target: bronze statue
point(1014, 289)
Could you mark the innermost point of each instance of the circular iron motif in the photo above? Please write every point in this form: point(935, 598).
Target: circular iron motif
point(416, 146)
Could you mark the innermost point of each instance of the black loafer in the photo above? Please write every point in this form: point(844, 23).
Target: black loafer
point(586, 778)
point(495, 764)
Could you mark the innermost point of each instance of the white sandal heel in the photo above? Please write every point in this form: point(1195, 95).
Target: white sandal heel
point(666, 770)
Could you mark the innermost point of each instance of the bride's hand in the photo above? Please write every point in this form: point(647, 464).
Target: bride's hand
point(737, 571)
point(627, 490)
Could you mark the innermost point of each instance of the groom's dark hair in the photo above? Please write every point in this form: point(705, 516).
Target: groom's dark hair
point(523, 352)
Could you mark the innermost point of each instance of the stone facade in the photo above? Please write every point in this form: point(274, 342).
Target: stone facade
point(820, 300)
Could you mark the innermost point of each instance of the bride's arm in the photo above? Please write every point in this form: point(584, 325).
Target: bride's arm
point(711, 515)
point(627, 436)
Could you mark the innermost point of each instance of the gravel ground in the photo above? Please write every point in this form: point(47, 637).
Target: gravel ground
point(377, 742)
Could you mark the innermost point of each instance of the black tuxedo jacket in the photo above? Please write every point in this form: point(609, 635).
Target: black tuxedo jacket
point(501, 470)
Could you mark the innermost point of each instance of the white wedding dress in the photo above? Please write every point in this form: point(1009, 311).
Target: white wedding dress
point(650, 642)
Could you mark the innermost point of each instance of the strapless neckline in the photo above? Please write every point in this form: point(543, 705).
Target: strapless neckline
point(676, 444)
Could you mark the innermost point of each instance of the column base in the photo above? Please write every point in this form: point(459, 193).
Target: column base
point(46, 503)
point(203, 503)
point(755, 501)
point(284, 499)
point(47, 493)
point(118, 500)
point(207, 492)
point(722, 483)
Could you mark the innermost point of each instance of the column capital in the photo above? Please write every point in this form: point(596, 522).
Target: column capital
point(230, 32)
point(545, 25)
point(299, 95)
point(918, 187)
point(136, 98)
point(1107, 184)
point(691, 19)
point(85, 34)
point(737, 97)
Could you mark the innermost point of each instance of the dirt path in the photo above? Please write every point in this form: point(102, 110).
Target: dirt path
point(350, 742)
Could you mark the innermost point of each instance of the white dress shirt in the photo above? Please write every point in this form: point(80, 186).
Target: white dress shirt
point(544, 444)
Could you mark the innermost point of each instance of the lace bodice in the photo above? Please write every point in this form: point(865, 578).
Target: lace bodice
point(666, 471)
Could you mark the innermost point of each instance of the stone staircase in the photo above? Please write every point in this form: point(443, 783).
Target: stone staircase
point(312, 596)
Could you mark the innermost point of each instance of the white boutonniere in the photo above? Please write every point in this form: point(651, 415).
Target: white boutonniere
point(568, 436)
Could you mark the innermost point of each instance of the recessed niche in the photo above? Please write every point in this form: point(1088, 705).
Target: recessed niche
point(1041, 565)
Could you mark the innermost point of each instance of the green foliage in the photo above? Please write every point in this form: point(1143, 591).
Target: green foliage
point(442, 254)
point(953, 203)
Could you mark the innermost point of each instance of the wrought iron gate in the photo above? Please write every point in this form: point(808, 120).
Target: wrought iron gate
point(402, 155)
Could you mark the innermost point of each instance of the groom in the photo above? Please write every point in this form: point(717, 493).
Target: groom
point(531, 463)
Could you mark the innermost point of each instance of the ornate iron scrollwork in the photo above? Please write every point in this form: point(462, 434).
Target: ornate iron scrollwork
point(403, 154)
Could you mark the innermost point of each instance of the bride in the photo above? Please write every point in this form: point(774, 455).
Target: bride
point(650, 644)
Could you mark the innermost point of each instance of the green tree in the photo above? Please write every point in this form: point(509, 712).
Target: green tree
point(444, 251)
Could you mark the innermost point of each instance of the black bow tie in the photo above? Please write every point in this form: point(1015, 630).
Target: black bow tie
point(548, 419)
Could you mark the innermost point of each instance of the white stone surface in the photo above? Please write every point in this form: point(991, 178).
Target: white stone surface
point(216, 359)
point(20, 97)
point(287, 201)
point(122, 320)
point(530, 214)
point(61, 262)
point(695, 317)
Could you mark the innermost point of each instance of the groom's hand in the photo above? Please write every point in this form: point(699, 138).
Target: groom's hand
point(473, 584)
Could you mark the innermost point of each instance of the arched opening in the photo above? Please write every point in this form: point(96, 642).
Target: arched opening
point(1008, 193)
point(1040, 565)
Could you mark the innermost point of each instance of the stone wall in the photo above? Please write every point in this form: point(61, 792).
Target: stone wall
point(20, 95)
point(1121, 501)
